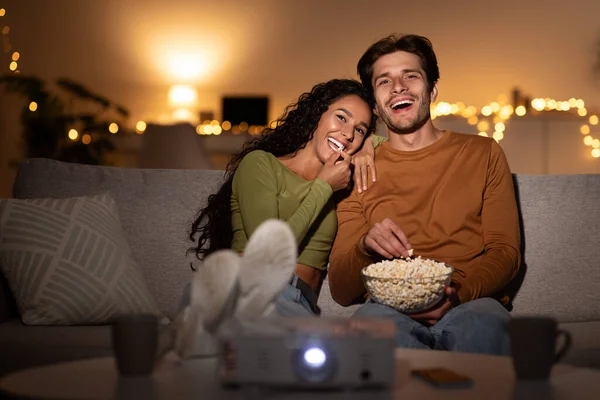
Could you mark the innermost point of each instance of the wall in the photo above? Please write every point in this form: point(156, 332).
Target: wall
point(546, 144)
point(10, 151)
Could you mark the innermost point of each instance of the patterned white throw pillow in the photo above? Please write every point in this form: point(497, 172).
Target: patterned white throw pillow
point(67, 261)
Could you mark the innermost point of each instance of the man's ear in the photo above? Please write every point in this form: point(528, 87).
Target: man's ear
point(434, 92)
point(375, 112)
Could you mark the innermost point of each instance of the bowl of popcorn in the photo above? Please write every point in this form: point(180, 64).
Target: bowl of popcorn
point(407, 285)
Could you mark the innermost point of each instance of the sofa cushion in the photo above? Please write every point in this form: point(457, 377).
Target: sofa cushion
point(561, 254)
point(67, 261)
point(585, 351)
point(156, 208)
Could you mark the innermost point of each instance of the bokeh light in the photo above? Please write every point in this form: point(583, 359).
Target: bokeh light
point(140, 127)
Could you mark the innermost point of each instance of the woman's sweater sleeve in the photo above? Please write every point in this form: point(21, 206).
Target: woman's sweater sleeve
point(377, 140)
point(256, 186)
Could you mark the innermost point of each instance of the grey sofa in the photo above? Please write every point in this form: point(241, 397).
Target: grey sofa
point(560, 276)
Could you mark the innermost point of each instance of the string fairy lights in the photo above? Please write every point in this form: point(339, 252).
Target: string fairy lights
point(490, 120)
point(497, 114)
point(15, 56)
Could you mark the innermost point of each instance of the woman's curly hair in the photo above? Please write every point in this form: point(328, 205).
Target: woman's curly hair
point(293, 130)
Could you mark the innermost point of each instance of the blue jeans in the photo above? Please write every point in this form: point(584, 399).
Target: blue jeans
point(479, 326)
point(292, 303)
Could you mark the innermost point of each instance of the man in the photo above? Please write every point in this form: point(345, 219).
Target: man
point(447, 196)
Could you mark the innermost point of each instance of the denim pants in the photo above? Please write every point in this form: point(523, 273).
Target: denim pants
point(479, 326)
point(292, 303)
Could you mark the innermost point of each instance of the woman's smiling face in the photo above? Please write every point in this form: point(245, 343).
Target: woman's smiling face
point(343, 127)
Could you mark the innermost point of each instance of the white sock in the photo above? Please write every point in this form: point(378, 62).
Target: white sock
point(267, 265)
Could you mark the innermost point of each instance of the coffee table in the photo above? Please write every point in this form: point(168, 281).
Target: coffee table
point(195, 379)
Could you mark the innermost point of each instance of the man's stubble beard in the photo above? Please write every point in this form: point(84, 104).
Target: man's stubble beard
point(423, 115)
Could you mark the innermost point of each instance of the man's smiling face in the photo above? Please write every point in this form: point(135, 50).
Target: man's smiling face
point(401, 91)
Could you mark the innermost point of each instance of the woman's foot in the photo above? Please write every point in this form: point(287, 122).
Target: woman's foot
point(213, 295)
point(267, 266)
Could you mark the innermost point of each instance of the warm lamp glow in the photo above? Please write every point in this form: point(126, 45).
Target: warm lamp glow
point(471, 110)
point(594, 120)
point(596, 153)
point(538, 104)
point(113, 128)
point(2, 12)
point(483, 125)
point(506, 112)
point(33, 106)
point(140, 127)
point(487, 111)
point(226, 125)
point(483, 134)
point(588, 140)
point(498, 136)
point(182, 96)
point(520, 111)
point(15, 56)
point(13, 66)
point(86, 139)
point(443, 108)
point(73, 134)
point(596, 143)
point(585, 130)
point(187, 66)
point(572, 102)
point(184, 115)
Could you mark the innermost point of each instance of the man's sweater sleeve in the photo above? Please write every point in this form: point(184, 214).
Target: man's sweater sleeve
point(501, 234)
point(346, 259)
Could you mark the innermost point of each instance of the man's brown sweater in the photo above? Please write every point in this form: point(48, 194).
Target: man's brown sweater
point(454, 200)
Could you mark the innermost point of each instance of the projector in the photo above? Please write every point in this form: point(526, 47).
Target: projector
point(309, 353)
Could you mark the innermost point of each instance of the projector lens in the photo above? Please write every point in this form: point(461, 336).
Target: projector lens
point(313, 362)
point(315, 357)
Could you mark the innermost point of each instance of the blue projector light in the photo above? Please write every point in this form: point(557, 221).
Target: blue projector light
point(315, 357)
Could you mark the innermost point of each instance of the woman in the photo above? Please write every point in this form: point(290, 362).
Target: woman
point(291, 172)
